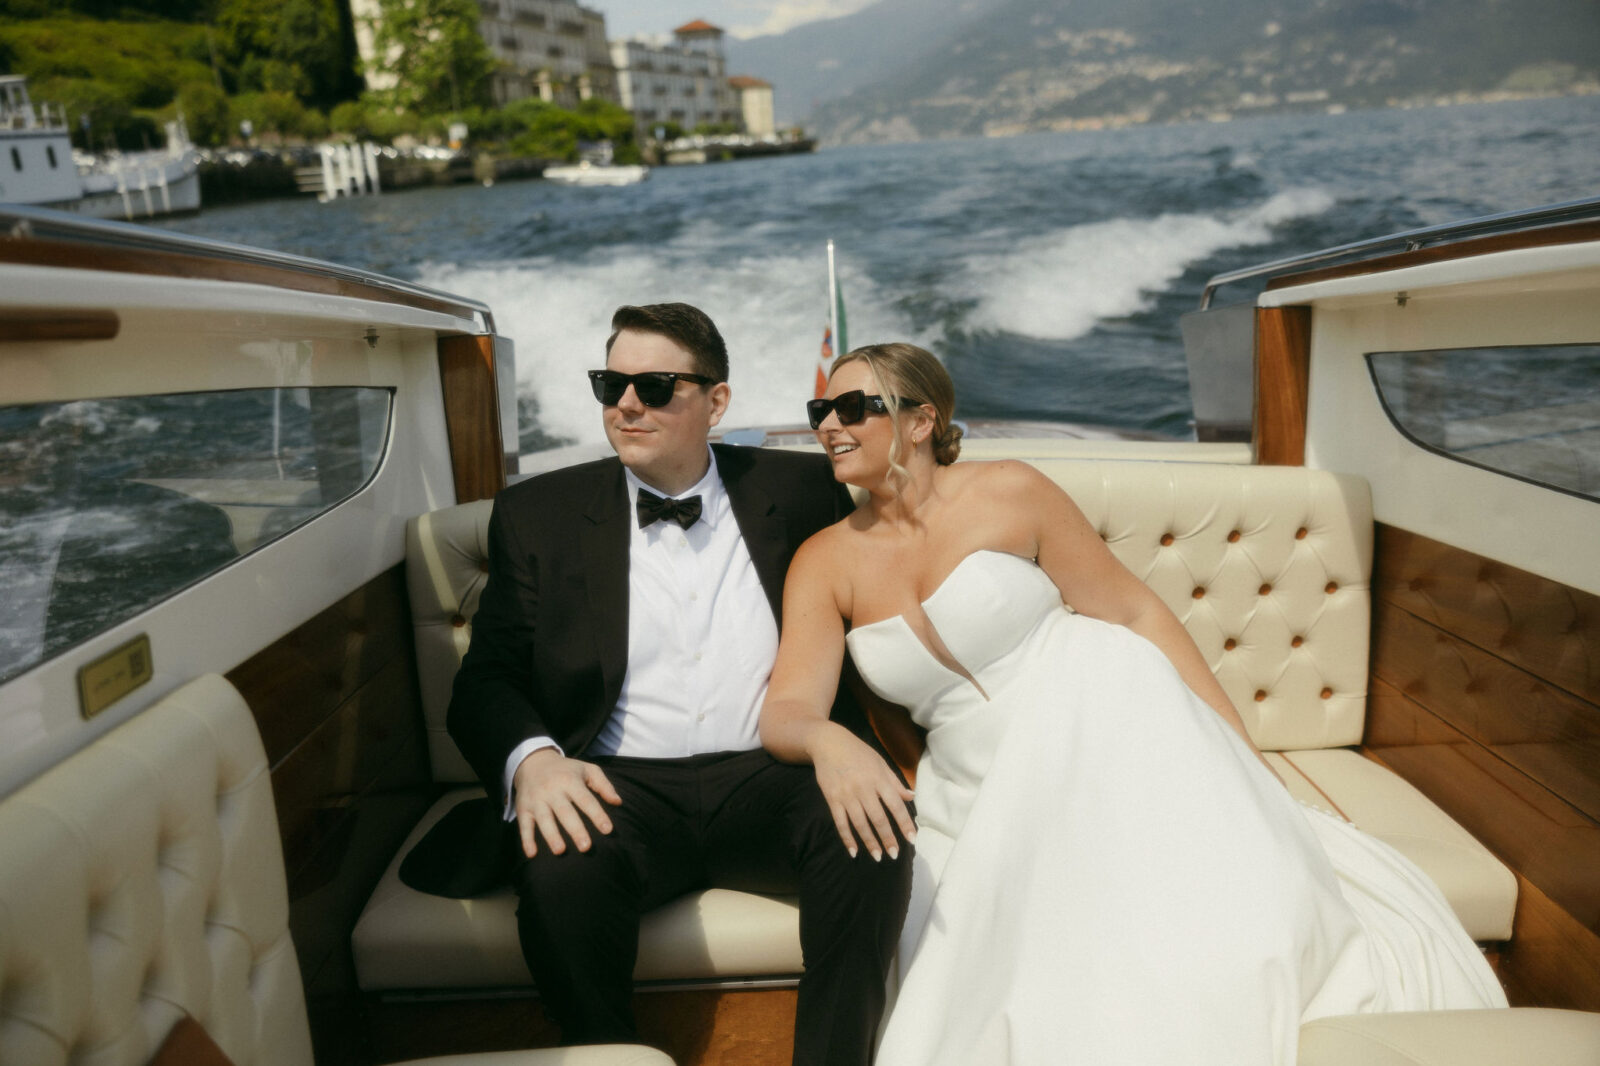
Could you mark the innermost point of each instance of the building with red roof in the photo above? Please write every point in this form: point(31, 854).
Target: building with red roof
point(682, 82)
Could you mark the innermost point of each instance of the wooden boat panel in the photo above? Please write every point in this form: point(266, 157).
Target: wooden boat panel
point(472, 415)
point(337, 704)
point(1546, 733)
point(1283, 363)
point(1547, 628)
point(1554, 960)
point(1479, 696)
point(752, 1027)
point(299, 681)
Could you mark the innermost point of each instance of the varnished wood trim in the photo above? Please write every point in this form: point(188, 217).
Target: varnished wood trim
point(301, 679)
point(1544, 732)
point(91, 254)
point(67, 324)
point(375, 738)
point(1553, 961)
point(1548, 629)
point(472, 416)
point(1283, 366)
point(337, 704)
point(701, 1028)
point(1533, 830)
point(1571, 233)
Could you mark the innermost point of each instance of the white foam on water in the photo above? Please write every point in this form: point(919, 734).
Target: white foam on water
point(771, 310)
point(1057, 285)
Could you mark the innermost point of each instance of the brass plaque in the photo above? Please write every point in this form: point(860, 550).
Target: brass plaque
point(114, 675)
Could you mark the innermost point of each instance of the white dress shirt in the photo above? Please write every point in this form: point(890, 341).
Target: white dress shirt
point(701, 638)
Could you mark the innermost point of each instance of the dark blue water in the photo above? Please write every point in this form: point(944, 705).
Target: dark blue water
point(1047, 271)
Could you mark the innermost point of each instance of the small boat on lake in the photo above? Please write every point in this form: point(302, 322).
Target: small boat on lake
point(237, 482)
point(587, 173)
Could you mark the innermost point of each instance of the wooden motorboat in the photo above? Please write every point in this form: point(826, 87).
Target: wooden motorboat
point(210, 457)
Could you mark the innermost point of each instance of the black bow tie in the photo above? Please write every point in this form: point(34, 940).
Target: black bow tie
point(652, 508)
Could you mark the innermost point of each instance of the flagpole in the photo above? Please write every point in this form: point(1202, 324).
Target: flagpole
point(833, 302)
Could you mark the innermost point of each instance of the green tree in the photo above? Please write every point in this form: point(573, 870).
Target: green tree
point(432, 50)
point(274, 116)
point(205, 111)
point(293, 46)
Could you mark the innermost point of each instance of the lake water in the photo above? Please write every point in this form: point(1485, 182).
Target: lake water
point(1047, 271)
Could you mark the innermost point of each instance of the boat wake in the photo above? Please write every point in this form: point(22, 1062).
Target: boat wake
point(1058, 285)
point(771, 310)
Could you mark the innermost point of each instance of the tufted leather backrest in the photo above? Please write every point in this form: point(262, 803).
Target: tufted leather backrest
point(142, 879)
point(1268, 567)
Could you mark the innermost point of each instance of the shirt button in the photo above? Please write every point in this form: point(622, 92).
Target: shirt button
point(697, 656)
point(700, 717)
point(694, 595)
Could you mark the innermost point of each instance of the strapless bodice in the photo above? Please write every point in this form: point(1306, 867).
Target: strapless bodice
point(985, 612)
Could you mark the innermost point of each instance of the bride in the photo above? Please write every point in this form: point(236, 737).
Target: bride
point(1106, 869)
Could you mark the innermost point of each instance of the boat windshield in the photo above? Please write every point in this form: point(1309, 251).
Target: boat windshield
point(109, 506)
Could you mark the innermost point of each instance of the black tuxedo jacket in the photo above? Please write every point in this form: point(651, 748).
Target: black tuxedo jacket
point(550, 640)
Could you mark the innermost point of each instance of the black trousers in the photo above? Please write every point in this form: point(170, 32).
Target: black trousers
point(738, 820)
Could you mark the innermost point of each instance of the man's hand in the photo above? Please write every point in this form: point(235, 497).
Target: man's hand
point(550, 790)
point(862, 792)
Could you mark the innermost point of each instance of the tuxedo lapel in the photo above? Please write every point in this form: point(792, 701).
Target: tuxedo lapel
point(605, 556)
point(761, 524)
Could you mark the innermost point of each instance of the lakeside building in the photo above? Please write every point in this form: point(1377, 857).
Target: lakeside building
point(553, 49)
point(681, 79)
point(755, 104)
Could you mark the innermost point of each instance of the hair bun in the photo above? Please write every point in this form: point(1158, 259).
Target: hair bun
point(947, 445)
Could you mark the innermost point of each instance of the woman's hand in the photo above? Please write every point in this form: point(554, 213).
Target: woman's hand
point(865, 796)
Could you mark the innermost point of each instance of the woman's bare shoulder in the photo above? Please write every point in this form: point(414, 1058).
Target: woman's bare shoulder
point(825, 545)
point(1002, 478)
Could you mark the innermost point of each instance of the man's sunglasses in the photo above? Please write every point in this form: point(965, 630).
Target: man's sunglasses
point(851, 407)
point(654, 387)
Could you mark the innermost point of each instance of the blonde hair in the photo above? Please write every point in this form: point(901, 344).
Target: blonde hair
point(906, 374)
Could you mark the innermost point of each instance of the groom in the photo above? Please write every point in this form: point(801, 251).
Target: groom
point(611, 694)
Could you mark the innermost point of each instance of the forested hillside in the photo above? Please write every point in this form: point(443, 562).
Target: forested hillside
point(125, 65)
point(286, 70)
point(1016, 65)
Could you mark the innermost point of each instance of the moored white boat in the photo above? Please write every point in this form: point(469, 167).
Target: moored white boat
point(587, 173)
point(218, 460)
point(39, 168)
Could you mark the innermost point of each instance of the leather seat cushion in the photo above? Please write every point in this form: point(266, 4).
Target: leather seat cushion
point(409, 939)
point(1480, 888)
point(1454, 1038)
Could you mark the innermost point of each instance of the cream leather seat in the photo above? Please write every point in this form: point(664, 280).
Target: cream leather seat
point(1268, 567)
point(143, 882)
point(1526, 1036)
point(408, 939)
point(1270, 570)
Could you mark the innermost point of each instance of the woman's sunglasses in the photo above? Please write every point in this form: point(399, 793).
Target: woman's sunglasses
point(851, 407)
point(654, 387)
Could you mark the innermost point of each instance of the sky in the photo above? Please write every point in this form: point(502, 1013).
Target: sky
point(741, 18)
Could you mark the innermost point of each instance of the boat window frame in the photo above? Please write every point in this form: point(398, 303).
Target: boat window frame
point(1456, 457)
point(126, 612)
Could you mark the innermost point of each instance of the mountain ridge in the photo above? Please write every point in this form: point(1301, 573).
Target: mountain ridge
point(995, 67)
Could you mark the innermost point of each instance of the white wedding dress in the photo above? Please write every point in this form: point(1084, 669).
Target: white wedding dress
point(1105, 874)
